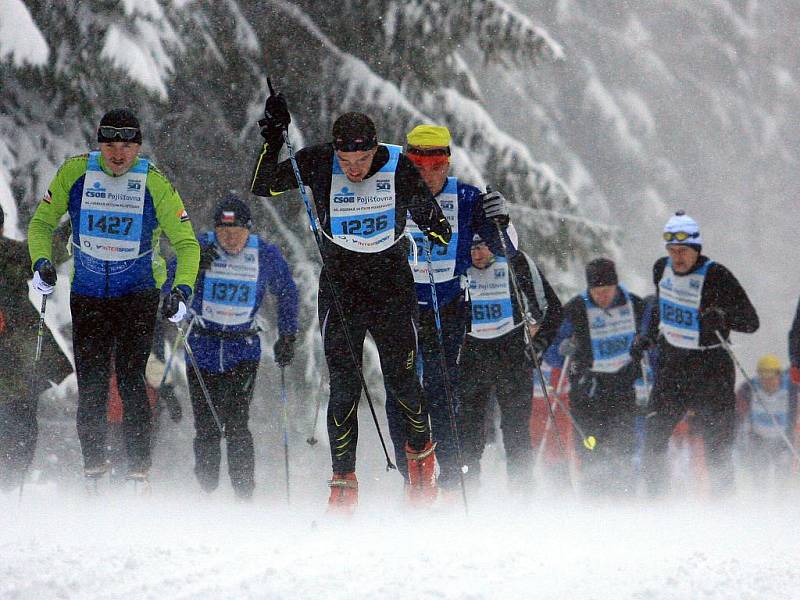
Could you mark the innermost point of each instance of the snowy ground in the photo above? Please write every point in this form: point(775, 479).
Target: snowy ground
point(59, 543)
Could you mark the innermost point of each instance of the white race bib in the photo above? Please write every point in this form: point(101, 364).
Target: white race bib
point(490, 296)
point(612, 331)
point(776, 403)
point(679, 306)
point(362, 213)
point(230, 285)
point(110, 227)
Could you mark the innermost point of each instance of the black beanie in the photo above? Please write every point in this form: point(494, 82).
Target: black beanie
point(601, 271)
point(232, 212)
point(119, 117)
point(353, 132)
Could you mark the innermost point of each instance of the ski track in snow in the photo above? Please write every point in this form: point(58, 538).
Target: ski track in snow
point(61, 544)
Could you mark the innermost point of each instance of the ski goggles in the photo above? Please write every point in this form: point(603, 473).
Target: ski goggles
point(679, 236)
point(126, 134)
point(358, 144)
point(428, 157)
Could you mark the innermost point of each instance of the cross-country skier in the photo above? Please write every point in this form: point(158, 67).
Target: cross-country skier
point(118, 205)
point(767, 407)
point(697, 297)
point(494, 355)
point(237, 268)
point(362, 193)
point(467, 210)
point(598, 330)
point(21, 381)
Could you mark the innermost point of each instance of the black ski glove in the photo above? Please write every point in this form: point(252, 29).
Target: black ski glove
point(284, 350)
point(276, 116)
point(174, 305)
point(167, 393)
point(713, 319)
point(494, 207)
point(640, 345)
point(208, 254)
point(539, 347)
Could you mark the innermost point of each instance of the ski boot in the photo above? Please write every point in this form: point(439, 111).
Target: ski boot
point(421, 489)
point(92, 477)
point(140, 481)
point(344, 494)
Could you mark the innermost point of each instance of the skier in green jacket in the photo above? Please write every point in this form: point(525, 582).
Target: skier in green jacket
point(118, 205)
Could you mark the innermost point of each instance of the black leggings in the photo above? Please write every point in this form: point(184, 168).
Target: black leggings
point(231, 393)
point(499, 363)
point(604, 406)
point(702, 381)
point(389, 313)
point(100, 327)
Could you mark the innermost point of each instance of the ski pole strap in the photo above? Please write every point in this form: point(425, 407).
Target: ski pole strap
point(414, 249)
point(538, 285)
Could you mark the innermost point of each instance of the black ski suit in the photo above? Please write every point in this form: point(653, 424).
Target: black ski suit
point(375, 290)
point(699, 379)
point(603, 403)
point(501, 363)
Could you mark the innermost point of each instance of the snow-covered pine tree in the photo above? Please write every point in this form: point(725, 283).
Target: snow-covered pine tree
point(196, 73)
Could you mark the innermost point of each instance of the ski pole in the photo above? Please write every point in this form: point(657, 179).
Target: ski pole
point(550, 422)
point(30, 393)
point(203, 387)
point(529, 320)
point(174, 351)
point(337, 305)
point(311, 440)
point(761, 401)
point(448, 389)
point(40, 332)
point(285, 403)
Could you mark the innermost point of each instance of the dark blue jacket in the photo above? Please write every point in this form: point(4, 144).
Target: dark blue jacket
point(471, 220)
point(220, 348)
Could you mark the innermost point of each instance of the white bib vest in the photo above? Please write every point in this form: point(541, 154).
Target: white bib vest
point(443, 259)
point(362, 213)
point(229, 289)
point(110, 230)
point(679, 306)
point(490, 295)
point(777, 403)
point(611, 331)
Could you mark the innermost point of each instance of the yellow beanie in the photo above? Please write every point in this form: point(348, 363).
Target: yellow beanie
point(769, 362)
point(429, 135)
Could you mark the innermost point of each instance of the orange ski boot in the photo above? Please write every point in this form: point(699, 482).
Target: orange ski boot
point(421, 489)
point(344, 494)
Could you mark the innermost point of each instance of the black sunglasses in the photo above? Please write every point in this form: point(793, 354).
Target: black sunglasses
point(124, 133)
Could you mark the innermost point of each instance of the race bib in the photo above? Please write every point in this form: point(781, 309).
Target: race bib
point(110, 218)
point(679, 306)
point(363, 213)
point(230, 285)
point(612, 331)
point(490, 297)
